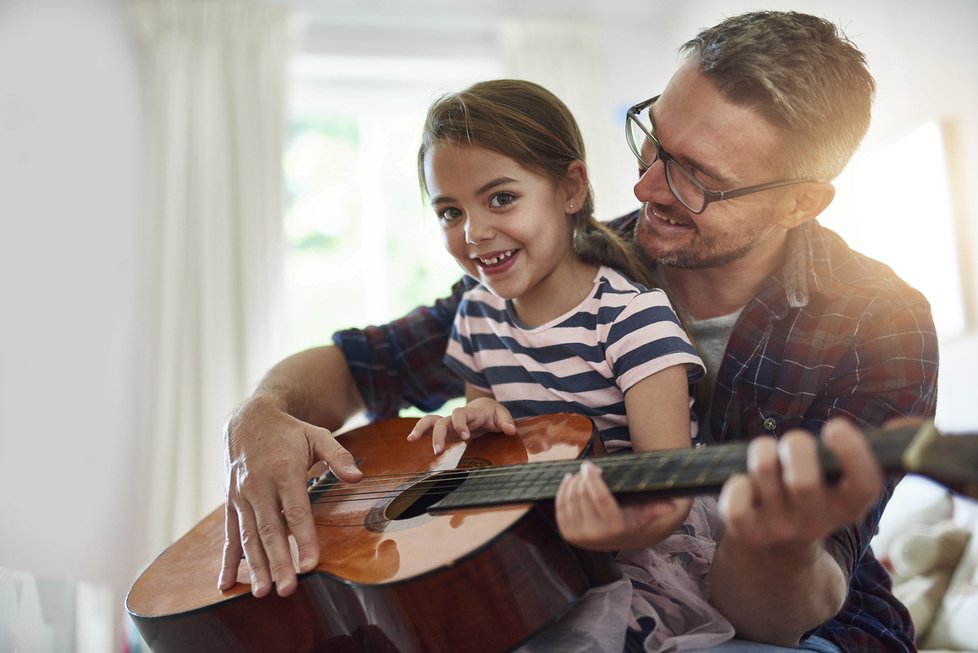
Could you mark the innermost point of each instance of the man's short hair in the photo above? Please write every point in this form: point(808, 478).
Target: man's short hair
point(802, 74)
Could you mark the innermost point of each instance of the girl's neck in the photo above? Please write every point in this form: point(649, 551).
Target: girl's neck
point(562, 290)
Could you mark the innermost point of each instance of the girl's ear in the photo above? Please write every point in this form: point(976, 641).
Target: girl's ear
point(805, 202)
point(575, 186)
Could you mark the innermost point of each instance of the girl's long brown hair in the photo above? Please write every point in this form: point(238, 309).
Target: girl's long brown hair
point(530, 125)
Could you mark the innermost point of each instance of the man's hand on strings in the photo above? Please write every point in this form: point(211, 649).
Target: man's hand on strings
point(268, 455)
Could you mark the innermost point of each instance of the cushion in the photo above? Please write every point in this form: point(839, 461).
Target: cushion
point(955, 625)
point(916, 500)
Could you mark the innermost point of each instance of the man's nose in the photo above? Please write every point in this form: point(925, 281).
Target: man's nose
point(652, 185)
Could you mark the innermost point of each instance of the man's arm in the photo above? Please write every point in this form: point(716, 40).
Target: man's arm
point(271, 441)
point(279, 432)
point(772, 575)
point(792, 543)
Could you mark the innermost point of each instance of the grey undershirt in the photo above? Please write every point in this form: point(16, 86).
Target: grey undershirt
point(710, 336)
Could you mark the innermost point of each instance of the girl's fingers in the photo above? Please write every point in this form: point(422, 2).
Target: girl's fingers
point(422, 427)
point(504, 420)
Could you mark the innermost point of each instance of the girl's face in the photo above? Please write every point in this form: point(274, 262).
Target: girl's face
point(507, 226)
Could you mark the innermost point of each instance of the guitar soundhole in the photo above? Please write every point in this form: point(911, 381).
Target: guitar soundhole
point(415, 500)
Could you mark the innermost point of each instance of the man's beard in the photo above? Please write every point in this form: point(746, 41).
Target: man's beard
point(707, 252)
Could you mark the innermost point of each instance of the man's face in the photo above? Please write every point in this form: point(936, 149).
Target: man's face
point(726, 146)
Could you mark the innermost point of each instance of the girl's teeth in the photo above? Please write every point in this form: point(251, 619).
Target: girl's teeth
point(496, 259)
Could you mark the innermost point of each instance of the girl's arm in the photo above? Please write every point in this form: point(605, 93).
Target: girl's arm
point(587, 513)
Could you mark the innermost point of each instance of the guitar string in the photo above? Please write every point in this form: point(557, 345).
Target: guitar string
point(630, 461)
point(516, 471)
point(546, 478)
point(627, 460)
point(378, 486)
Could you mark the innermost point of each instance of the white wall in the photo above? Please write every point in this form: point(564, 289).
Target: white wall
point(71, 265)
point(73, 259)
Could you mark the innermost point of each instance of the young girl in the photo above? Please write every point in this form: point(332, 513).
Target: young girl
point(557, 324)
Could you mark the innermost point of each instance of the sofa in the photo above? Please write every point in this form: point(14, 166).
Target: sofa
point(928, 540)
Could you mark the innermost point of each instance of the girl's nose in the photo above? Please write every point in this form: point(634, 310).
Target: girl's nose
point(477, 230)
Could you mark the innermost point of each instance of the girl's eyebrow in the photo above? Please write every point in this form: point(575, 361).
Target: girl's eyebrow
point(498, 181)
point(485, 188)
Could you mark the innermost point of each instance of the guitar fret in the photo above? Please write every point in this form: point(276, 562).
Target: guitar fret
point(530, 486)
point(625, 475)
point(677, 475)
point(664, 472)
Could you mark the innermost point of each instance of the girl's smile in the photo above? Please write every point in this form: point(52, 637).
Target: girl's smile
point(497, 263)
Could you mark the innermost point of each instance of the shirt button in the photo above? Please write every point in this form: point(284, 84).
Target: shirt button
point(770, 424)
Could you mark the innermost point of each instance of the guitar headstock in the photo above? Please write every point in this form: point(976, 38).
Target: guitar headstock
point(951, 460)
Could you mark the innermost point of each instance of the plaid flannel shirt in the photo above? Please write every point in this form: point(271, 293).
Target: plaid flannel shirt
point(835, 333)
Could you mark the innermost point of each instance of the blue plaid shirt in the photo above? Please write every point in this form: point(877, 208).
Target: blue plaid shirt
point(834, 333)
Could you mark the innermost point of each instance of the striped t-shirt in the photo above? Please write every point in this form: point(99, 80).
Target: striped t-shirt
point(580, 362)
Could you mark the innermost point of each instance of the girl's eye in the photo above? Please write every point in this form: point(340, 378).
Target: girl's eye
point(499, 200)
point(449, 214)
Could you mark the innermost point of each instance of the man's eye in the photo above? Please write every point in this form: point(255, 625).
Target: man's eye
point(449, 214)
point(500, 200)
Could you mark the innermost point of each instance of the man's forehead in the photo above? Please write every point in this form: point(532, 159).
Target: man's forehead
point(696, 122)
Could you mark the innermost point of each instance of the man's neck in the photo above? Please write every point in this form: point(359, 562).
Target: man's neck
point(703, 293)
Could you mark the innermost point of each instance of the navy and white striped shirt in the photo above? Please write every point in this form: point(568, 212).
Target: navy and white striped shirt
point(581, 362)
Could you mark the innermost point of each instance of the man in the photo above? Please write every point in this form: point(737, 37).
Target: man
point(737, 155)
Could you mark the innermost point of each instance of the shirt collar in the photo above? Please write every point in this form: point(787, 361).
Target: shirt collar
point(808, 265)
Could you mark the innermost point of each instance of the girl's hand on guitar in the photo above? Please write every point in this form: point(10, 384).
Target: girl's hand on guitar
point(589, 516)
point(479, 416)
point(267, 457)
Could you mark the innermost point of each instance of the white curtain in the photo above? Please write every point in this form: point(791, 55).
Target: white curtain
point(216, 71)
point(566, 57)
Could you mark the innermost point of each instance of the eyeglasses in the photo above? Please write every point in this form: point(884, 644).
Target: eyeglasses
point(690, 192)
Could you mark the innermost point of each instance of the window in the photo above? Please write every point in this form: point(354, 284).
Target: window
point(362, 245)
point(895, 205)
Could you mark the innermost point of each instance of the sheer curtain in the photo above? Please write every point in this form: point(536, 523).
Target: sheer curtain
point(216, 71)
point(566, 57)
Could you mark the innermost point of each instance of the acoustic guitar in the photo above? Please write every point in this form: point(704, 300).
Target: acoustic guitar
point(455, 552)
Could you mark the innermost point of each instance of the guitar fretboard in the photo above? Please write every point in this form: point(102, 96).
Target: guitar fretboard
point(675, 472)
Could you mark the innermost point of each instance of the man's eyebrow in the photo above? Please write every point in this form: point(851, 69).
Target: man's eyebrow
point(485, 188)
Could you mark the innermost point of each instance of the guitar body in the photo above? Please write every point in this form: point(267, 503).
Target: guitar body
point(392, 576)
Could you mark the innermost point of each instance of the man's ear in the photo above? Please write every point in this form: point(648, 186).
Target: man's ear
point(575, 186)
point(805, 201)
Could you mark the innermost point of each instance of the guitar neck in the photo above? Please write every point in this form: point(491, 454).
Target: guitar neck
point(917, 448)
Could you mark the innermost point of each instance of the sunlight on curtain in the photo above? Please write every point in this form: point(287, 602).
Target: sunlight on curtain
point(216, 71)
